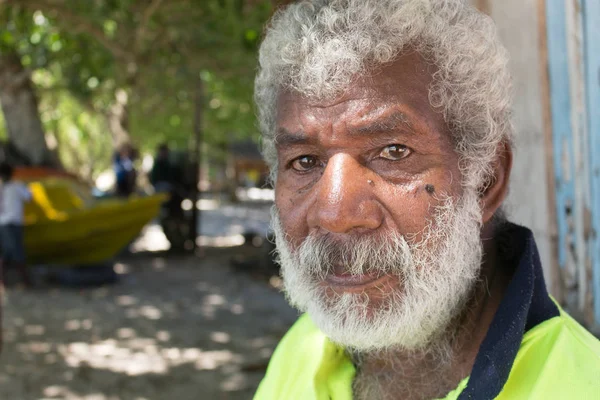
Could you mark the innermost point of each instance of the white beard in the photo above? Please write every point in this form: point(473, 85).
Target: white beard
point(436, 276)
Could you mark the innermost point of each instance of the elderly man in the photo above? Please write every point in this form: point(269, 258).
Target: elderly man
point(387, 127)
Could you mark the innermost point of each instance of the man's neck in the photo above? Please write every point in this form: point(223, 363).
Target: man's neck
point(433, 373)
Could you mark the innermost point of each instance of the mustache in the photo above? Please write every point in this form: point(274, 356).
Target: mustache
point(380, 254)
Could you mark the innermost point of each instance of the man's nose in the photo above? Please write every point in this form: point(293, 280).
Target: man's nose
point(345, 198)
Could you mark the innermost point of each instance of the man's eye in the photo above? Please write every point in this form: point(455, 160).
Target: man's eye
point(304, 163)
point(395, 152)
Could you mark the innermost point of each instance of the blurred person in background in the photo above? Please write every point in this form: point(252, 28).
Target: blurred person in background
point(124, 168)
point(13, 196)
point(163, 173)
point(167, 177)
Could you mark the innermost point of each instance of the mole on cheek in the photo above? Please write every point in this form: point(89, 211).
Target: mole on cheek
point(429, 188)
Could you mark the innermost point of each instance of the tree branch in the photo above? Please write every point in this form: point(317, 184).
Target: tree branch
point(77, 23)
point(140, 32)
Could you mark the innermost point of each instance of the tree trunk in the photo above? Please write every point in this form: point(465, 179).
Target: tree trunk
point(20, 108)
point(118, 119)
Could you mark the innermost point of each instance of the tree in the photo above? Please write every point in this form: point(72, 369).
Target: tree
point(136, 63)
point(175, 39)
point(20, 105)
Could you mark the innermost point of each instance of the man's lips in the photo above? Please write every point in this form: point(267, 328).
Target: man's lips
point(350, 281)
point(340, 278)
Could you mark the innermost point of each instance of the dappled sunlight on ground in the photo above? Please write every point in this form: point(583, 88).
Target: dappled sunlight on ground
point(180, 328)
point(220, 224)
point(140, 356)
point(221, 241)
point(235, 219)
point(152, 238)
point(207, 204)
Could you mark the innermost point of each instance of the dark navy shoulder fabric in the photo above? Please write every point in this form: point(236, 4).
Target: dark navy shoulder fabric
point(526, 304)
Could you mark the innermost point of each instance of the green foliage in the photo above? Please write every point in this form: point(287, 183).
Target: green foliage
point(214, 40)
point(3, 133)
point(155, 50)
point(80, 133)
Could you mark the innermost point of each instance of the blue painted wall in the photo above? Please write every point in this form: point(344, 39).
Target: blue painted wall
point(591, 21)
point(560, 96)
point(573, 217)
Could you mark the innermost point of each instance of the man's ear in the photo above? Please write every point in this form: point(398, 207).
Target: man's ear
point(497, 188)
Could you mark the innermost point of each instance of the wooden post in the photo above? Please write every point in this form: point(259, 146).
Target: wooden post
point(592, 62)
point(197, 152)
point(556, 288)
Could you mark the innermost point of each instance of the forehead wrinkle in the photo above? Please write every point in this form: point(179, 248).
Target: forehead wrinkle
point(389, 119)
point(379, 113)
point(394, 122)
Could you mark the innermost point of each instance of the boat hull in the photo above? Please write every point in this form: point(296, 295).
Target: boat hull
point(65, 225)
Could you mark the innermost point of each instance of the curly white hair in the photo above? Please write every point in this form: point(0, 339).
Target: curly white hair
point(317, 47)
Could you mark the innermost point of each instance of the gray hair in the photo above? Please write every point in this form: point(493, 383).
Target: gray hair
point(316, 48)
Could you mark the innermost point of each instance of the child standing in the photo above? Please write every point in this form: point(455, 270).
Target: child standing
point(13, 196)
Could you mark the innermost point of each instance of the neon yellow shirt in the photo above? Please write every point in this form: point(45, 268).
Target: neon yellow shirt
point(557, 359)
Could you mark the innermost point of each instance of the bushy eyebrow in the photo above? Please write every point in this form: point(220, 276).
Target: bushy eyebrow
point(396, 122)
point(283, 138)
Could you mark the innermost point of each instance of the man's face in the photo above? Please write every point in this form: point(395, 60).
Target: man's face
point(373, 225)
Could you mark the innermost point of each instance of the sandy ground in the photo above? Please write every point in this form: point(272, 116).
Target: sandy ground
point(173, 328)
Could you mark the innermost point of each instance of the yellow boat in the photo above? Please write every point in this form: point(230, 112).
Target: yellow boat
point(65, 224)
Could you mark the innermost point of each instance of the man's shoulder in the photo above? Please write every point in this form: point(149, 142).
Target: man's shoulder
point(582, 337)
point(304, 364)
point(302, 335)
point(557, 358)
point(563, 332)
point(298, 352)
